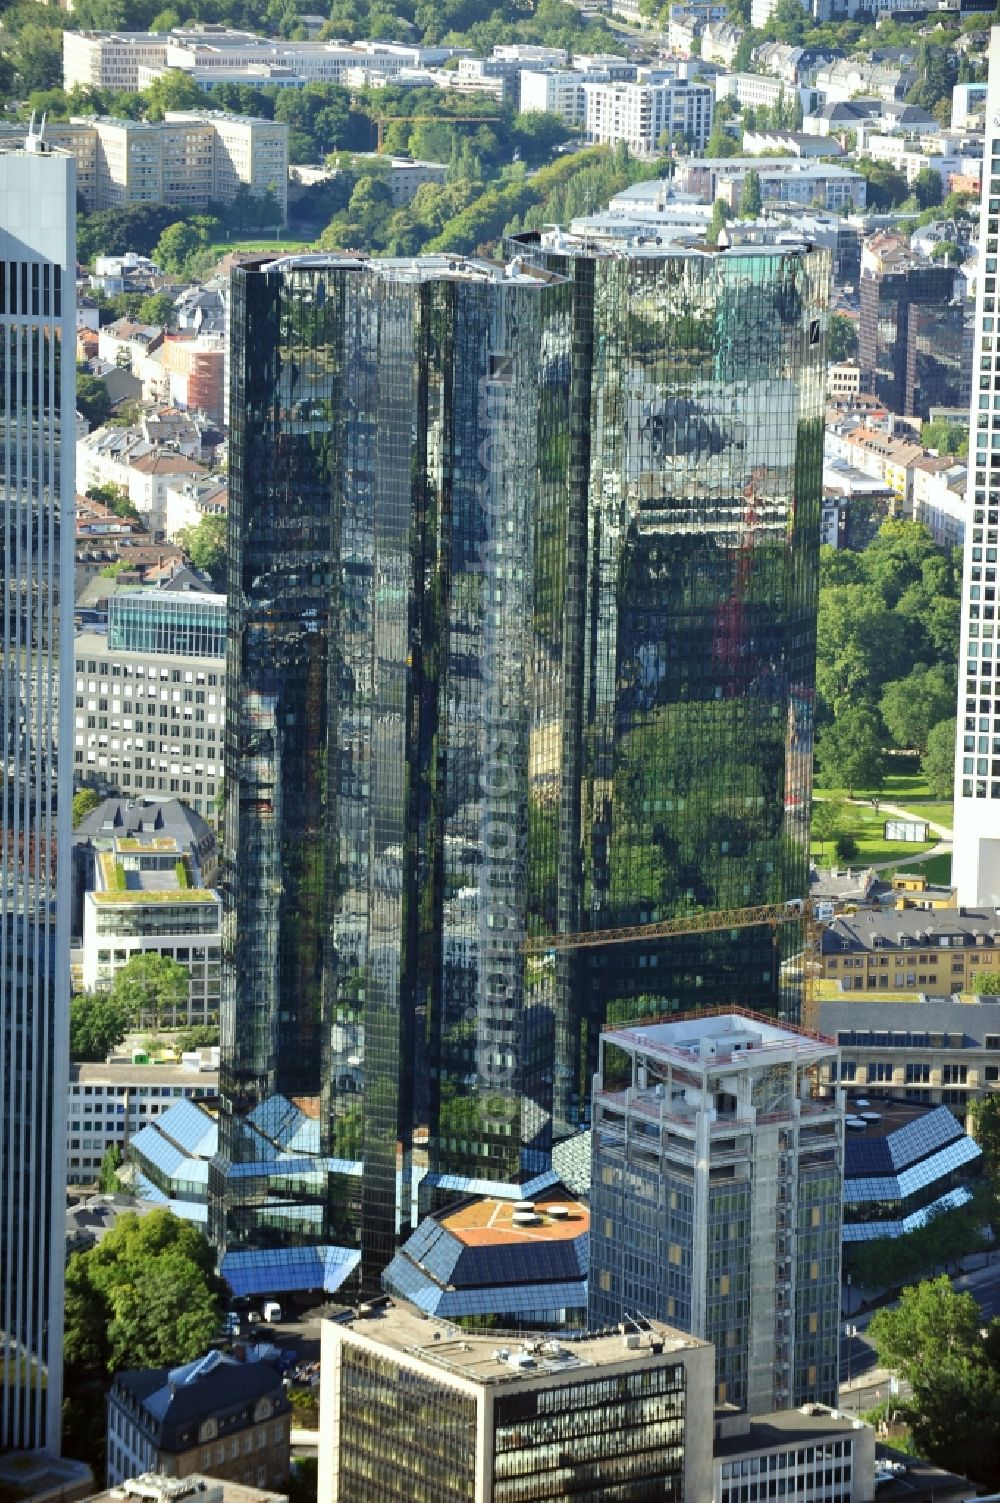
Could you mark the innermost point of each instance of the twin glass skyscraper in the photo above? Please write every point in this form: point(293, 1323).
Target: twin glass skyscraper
point(522, 637)
point(37, 399)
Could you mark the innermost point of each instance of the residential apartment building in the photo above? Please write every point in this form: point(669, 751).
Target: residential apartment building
point(697, 688)
point(227, 1419)
point(37, 320)
point(110, 1103)
point(976, 858)
point(560, 91)
point(715, 1199)
point(935, 1050)
point(190, 159)
point(405, 1400)
point(645, 115)
point(940, 484)
point(149, 721)
point(911, 950)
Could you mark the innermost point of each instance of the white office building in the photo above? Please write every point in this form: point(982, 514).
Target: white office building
point(976, 859)
point(37, 316)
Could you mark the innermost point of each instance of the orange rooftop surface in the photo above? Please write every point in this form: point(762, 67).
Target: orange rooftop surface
point(489, 1223)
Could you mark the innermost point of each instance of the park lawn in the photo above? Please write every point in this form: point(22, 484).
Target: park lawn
point(867, 825)
point(937, 869)
point(904, 785)
point(283, 242)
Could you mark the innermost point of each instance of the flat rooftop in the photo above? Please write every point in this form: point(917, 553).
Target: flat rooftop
point(489, 1223)
point(487, 1358)
point(140, 1075)
point(768, 1432)
point(711, 1038)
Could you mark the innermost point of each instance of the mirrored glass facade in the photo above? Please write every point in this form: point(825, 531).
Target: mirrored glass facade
point(37, 334)
point(698, 424)
point(523, 591)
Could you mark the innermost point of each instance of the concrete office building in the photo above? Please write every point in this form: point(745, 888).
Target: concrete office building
point(37, 320)
point(716, 1185)
point(812, 1454)
point(149, 701)
point(189, 159)
point(408, 1400)
point(976, 858)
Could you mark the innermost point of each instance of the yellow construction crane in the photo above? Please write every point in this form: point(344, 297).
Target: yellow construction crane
point(709, 922)
point(383, 120)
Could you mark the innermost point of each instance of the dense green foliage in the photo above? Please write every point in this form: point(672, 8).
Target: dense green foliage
point(205, 545)
point(936, 1340)
point(98, 1022)
point(150, 985)
point(84, 803)
point(886, 655)
point(841, 338)
point(146, 1296)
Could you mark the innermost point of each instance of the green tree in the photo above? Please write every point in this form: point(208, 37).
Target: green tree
point(206, 544)
point(173, 90)
point(946, 251)
point(108, 1181)
point(98, 1022)
point(537, 133)
point(175, 245)
point(157, 308)
point(720, 143)
point(150, 985)
point(145, 1296)
point(841, 338)
point(787, 23)
point(912, 706)
point(828, 816)
point(938, 761)
point(370, 204)
point(37, 57)
point(986, 984)
point(717, 223)
point(931, 1321)
point(927, 188)
point(92, 398)
point(945, 437)
point(84, 803)
point(849, 752)
point(751, 199)
point(887, 188)
point(985, 1112)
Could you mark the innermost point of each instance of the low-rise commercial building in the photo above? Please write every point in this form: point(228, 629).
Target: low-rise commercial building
point(110, 1103)
point(405, 1399)
point(224, 1418)
point(149, 718)
point(933, 1051)
point(813, 1454)
point(496, 1259)
point(902, 1165)
point(783, 180)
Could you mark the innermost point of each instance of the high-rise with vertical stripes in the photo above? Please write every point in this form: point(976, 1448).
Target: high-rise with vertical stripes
point(976, 861)
point(37, 339)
